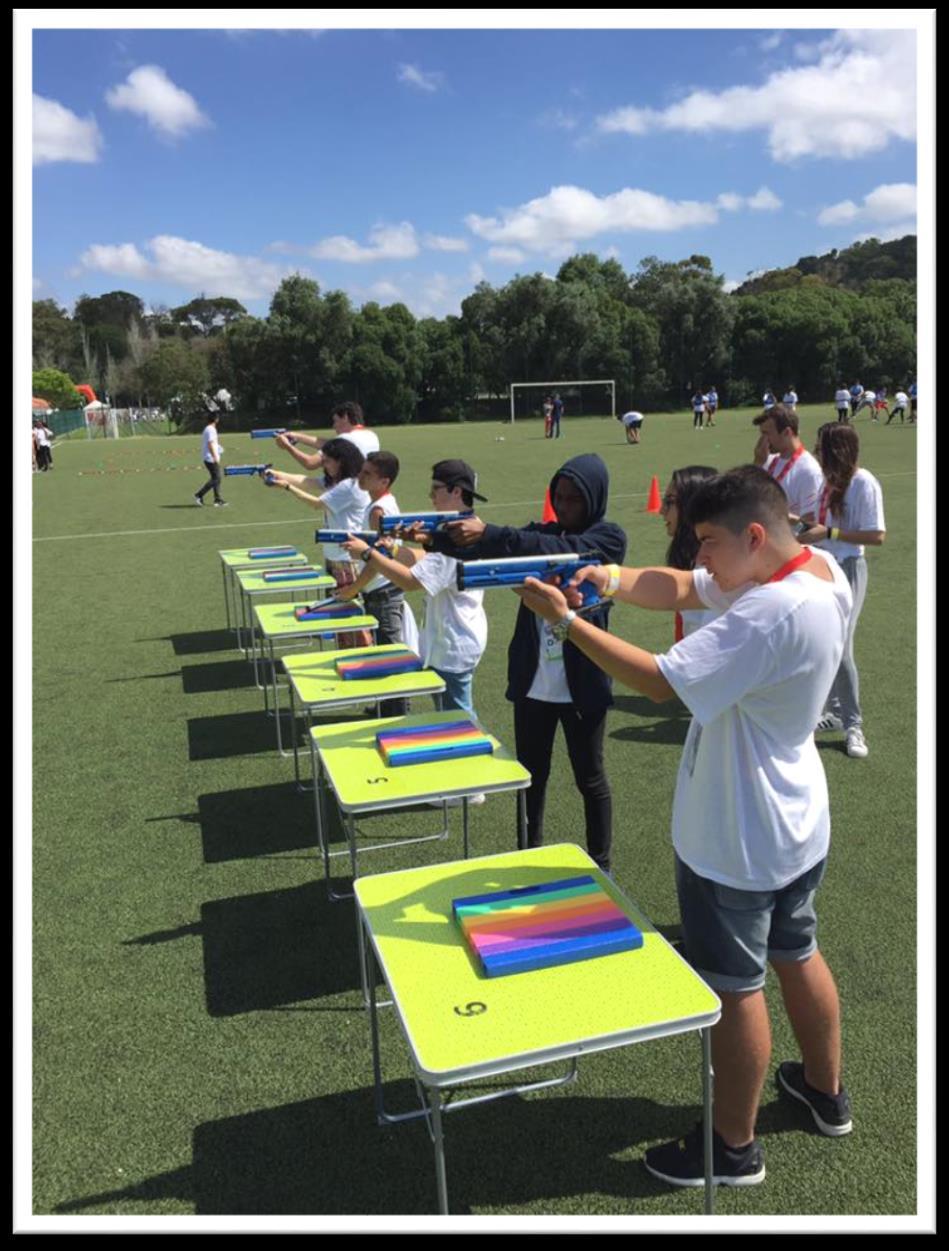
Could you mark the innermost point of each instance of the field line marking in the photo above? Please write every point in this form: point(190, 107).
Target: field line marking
point(242, 525)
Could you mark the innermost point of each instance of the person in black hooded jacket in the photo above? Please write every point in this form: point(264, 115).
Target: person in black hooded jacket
point(552, 683)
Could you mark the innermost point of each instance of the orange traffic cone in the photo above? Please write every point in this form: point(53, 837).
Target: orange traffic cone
point(548, 514)
point(654, 503)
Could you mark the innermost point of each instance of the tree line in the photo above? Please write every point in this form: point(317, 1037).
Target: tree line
point(660, 331)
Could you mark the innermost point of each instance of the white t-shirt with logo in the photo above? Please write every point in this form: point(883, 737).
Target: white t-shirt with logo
point(345, 510)
point(455, 631)
point(802, 483)
point(862, 510)
point(210, 443)
point(550, 680)
point(751, 807)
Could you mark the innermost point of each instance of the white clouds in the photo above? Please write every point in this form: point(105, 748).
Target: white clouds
point(513, 256)
point(445, 243)
point(59, 135)
point(857, 99)
point(560, 120)
point(769, 42)
point(890, 232)
point(415, 77)
point(764, 201)
point(188, 264)
point(553, 223)
point(149, 92)
point(386, 243)
point(888, 203)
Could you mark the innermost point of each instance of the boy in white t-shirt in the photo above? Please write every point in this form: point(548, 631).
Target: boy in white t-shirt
point(455, 631)
point(751, 823)
point(211, 452)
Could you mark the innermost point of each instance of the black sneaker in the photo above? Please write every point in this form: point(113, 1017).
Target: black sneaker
point(831, 1113)
point(682, 1162)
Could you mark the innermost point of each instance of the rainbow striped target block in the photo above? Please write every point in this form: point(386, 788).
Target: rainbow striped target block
point(420, 744)
point(327, 610)
point(379, 666)
point(536, 927)
point(270, 553)
point(296, 573)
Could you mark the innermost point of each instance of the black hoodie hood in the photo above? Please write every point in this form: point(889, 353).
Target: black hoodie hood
point(589, 474)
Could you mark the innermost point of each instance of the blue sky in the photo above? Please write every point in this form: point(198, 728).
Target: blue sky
point(409, 164)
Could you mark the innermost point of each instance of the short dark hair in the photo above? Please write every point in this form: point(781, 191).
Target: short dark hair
point(782, 415)
point(737, 498)
point(352, 410)
point(347, 453)
point(387, 463)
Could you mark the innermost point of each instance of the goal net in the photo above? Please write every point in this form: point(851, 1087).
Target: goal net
point(580, 397)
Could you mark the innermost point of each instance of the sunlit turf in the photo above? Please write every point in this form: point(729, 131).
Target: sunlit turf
point(199, 1041)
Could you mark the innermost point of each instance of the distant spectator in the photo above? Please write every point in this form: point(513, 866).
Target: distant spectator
point(711, 406)
point(900, 400)
point(632, 423)
point(556, 414)
point(698, 410)
point(842, 400)
point(768, 399)
point(790, 398)
point(912, 404)
point(44, 438)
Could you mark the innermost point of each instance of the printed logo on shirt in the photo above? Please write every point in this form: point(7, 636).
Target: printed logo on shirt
point(691, 749)
point(552, 648)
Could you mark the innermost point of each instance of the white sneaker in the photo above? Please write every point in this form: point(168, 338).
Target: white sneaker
point(857, 744)
point(199, 501)
point(829, 721)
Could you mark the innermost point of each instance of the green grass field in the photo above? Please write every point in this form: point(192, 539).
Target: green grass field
point(199, 1043)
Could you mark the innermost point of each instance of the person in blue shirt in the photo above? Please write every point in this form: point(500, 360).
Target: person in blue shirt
point(555, 415)
point(912, 404)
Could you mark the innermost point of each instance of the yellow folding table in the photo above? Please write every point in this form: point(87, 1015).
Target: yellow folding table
point(461, 1026)
point(347, 762)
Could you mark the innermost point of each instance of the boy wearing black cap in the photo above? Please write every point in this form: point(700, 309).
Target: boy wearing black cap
point(455, 629)
point(551, 682)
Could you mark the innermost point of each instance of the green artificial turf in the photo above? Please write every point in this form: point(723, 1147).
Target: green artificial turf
point(200, 1045)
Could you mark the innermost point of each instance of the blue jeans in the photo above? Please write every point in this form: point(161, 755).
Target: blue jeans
point(457, 692)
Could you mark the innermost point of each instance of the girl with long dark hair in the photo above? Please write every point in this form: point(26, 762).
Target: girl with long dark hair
point(684, 546)
point(849, 517)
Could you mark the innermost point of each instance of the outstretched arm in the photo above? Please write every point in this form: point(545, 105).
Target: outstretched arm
point(633, 666)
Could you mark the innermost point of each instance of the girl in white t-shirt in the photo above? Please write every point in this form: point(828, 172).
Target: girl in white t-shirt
point(345, 504)
point(684, 546)
point(849, 516)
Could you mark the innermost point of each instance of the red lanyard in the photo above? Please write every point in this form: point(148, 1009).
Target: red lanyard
point(679, 628)
point(787, 468)
point(800, 559)
point(824, 504)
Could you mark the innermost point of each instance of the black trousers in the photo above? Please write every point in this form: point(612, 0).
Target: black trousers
point(535, 727)
point(214, 480)
point(386, 606)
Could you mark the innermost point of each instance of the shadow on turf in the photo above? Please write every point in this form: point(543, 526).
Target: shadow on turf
point(223, 675)
point(258, 821)
point(272, 951)
point(661, 723)
point(197, 642)
point(329, 1156)
point(234, 734)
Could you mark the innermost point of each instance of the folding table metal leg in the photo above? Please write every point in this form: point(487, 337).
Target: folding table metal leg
point(707, 1081)
point(227, 598)
point(521, 819)
point(435, 1104)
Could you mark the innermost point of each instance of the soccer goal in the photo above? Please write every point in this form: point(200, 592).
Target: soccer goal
point(569, 389)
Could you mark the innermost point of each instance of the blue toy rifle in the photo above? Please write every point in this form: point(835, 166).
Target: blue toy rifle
point(272, 434)
point(430, 522)
point(247, 471)
point(512, 571)
point(343, 536)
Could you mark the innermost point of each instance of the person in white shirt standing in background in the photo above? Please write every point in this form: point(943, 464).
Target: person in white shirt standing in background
point(842, 402)
point(790, 399)
point(849, 515)
point(781, 453)
point(211, 453)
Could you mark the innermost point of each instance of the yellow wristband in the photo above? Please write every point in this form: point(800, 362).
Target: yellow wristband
point(613, 585)
point(834, 534)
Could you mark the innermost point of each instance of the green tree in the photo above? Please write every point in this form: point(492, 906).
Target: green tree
point(208, 317)
point(175, 377)
point(57, 387)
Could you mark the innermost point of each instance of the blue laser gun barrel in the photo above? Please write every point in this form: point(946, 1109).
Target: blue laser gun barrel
point(513, 570)
point(430, 522)
point(272, 434)
point(238, 471)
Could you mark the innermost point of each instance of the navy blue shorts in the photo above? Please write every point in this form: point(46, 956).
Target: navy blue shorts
point(730, 935)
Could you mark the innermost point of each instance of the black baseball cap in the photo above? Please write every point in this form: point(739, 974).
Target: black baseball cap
point(457, 473)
